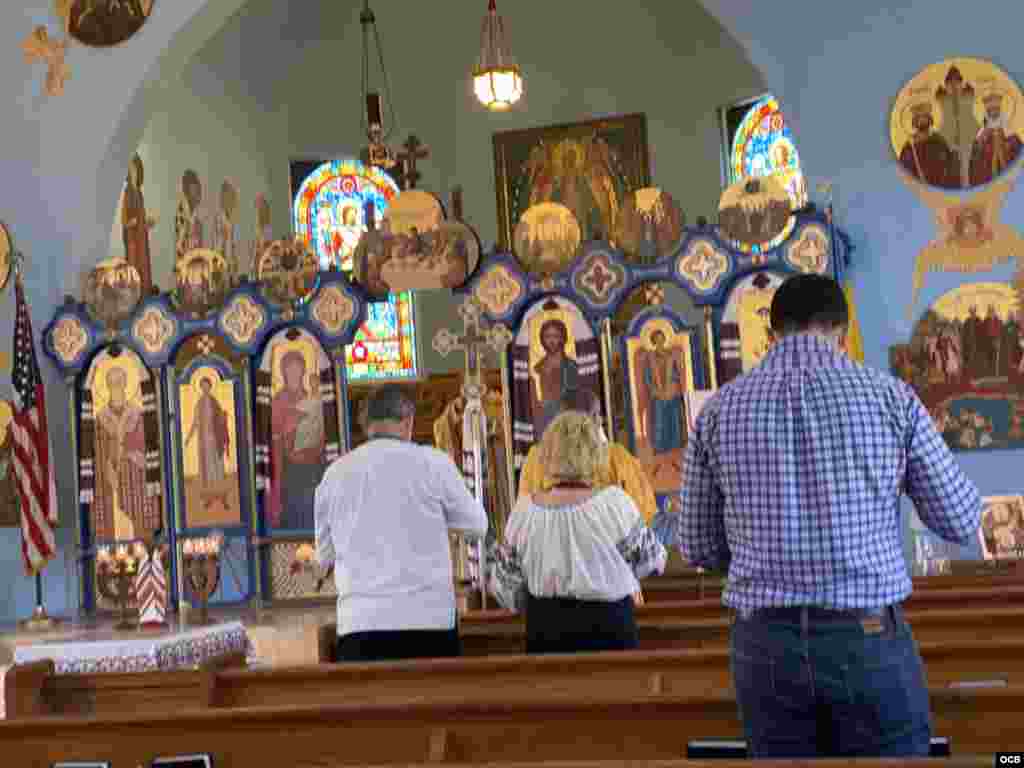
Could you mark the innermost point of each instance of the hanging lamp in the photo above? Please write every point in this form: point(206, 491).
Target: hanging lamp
point(377, 153)
point(497, 82)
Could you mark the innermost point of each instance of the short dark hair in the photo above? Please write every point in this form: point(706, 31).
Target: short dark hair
point(389, 403)
point(582, 400)
point(803, 302)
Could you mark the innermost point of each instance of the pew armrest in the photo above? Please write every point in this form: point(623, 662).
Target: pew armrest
point(327, 643)
point(209, 670)
point(24, 689)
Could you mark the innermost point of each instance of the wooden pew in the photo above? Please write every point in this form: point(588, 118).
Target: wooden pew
point(686, 672)
point(974, 575)
point(37, 693)
point(683, 625)
point(23, 689)
point(672, 673)
point(485, 729)
point(969, 761)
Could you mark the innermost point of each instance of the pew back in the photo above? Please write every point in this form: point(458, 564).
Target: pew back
point(547, 728)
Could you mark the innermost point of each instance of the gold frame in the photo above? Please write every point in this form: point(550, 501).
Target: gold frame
point(6, 259)
point(509, 144)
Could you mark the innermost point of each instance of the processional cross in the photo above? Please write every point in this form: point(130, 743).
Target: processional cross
point(474, 342)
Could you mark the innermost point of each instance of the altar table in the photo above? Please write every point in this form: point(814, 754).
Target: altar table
point(142, 652)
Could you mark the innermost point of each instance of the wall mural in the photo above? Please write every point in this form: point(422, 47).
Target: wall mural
point(588, 167)
point(958, 124)
point(104, 23)
point(1002, 527)
point(136, 224)
point(956, 127)
point(966, 362)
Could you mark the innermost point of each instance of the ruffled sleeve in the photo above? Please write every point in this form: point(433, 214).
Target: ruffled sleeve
point(639, 546)
point(508, 584)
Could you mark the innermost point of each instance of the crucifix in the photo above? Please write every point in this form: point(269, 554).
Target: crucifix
point(474, 341)
point(414, 150)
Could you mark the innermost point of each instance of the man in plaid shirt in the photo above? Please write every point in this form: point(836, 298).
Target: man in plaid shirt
point(792, 482)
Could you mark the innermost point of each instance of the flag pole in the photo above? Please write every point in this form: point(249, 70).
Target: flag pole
point(39, 621)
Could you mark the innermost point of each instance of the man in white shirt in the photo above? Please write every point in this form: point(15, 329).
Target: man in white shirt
point(382, 517)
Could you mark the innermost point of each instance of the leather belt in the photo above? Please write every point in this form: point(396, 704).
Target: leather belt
point(811, 614)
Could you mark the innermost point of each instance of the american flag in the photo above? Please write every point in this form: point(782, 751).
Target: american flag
point(32, 468)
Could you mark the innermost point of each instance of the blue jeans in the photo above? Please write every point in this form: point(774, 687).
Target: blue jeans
point(817, 683)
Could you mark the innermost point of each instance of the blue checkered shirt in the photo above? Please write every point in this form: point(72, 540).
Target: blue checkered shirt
point(792, 481)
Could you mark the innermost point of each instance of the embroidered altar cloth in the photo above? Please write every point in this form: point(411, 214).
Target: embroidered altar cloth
point(175, 650)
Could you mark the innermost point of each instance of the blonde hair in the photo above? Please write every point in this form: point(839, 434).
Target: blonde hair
point(572, 448)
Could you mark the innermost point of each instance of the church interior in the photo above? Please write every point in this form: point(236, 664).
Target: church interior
point(225, 223)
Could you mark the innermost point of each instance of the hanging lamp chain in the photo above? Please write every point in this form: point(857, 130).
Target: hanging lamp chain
point(367, 20)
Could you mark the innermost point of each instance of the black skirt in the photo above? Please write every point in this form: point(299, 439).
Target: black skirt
point(566, 625)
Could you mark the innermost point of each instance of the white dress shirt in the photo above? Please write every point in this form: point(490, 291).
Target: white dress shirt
point(382, 517)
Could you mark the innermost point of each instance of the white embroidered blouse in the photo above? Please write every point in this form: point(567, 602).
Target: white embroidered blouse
point(592, 550)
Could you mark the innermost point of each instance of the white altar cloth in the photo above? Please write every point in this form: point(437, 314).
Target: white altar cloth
point(141, 653)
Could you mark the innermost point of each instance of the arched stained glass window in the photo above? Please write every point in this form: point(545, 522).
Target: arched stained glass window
point(329, 212)
point(761, 144)
point(330, 208)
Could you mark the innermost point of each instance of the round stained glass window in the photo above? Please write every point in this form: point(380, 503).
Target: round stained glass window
point(330, 208)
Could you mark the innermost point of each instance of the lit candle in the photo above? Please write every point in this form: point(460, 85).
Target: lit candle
point(188, 547)
point(122, 553)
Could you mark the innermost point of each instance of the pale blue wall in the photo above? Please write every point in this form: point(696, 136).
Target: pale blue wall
point(836, 69)
point(835, 66)
point(64, 161)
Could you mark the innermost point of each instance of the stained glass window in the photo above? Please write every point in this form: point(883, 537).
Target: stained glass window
point(329, 213)
point(385, 346)
point(330, 208)
point(761, 144)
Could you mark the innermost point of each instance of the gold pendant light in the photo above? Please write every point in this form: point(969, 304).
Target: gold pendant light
point(497, 82)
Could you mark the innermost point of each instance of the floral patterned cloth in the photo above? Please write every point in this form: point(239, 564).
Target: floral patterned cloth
point(171, 651)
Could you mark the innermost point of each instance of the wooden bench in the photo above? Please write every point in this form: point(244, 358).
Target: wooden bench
point(983, 577)
point(33, 689)
point(680, 625)
point(546, 727)
point(967, 761)
point(668, 673)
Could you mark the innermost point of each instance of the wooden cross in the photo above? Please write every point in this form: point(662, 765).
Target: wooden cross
point(414, 150)
point(456, 205)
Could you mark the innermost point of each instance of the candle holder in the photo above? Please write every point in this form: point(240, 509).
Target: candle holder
point(200, 558)
point(115, 578)
point(304, 561)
